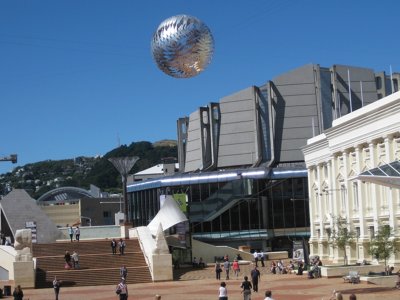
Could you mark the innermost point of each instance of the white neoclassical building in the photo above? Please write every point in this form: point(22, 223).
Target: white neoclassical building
point(354, 172)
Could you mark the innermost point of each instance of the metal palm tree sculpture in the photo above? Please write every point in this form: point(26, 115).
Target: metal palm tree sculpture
point(124, 165)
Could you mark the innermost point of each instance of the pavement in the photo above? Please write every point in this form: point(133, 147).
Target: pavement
point(200, 284)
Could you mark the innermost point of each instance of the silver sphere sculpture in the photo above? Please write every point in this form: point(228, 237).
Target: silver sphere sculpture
point(182, 46)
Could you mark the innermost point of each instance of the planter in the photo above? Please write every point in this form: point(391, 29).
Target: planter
point(340, 271)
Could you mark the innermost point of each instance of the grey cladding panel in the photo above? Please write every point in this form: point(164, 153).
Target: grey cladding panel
point(298, 111)
point(237, 117)
point(194, 144)
point(291, 155)
point(296, 122)
point(229, 150)
point(247, 93)
point(237, 138)
point(296, 89)
point(302, 75)
point(298, 133)
point(239, 105)
point(235, 160)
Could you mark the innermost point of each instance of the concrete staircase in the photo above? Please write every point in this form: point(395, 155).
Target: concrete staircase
point(98, 266)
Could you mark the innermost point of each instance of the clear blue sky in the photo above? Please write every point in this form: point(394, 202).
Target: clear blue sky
point(77, 77)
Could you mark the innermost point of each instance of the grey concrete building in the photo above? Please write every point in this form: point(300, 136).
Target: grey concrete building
point(240, 161)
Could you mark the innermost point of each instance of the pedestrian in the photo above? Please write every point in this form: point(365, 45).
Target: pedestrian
point(75, 259)
point(114, 246)
point(255, 276)
point(121, 245)
point(56, 286)
point(261, 257)
point(246, 288)
point(218, 270)
point(123, 271)
point(227, 268)
point(223, 292)
point(71, 233)
point(18, 293)
point(268, 295)
point(67, 258)
point(255, 255)
point(122, 290)
point(77, 233)
point(236, 268)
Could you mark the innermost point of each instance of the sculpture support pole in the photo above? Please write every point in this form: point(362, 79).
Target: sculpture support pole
point(124, 165)
point(125, 182)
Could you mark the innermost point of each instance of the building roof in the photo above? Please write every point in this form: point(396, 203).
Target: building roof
point(18, 208)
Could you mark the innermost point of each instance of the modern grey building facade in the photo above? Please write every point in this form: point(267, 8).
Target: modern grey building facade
point(240, 160)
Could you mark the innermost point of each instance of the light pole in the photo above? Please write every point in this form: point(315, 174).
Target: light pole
point(124, 165)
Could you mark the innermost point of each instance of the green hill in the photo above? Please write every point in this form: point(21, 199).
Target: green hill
point(38, 178)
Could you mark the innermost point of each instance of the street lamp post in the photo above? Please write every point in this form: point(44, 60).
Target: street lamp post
point(124, 165)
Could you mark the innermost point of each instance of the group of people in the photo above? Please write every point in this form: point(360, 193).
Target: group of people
point(76, 232)
point(278, 267)
point(71, 261)
point(259, 257)
point(198, 264)
point(226, 266)
point(120, 244)
point(246, 287)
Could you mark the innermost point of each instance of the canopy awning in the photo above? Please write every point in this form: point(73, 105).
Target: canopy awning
point(386, 175)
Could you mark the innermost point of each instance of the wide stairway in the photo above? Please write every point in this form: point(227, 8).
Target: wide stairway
point(98, 266)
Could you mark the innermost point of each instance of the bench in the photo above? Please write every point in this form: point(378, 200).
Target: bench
point(352, 277)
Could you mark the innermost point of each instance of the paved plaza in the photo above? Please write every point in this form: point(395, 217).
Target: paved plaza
point(200, 284)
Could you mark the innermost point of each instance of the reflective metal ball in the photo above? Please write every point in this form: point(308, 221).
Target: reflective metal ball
point(182, 46)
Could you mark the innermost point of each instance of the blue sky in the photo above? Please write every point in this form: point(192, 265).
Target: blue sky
point(77, 77)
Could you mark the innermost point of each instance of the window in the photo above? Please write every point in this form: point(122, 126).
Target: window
point(371, 231)
point(106, 214)
point(378, 83)
point(395, 85)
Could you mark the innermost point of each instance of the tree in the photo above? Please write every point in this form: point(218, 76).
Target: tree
point(341, 235)
point(383, 244)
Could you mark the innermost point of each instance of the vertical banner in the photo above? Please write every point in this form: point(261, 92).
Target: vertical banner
point(298, 251)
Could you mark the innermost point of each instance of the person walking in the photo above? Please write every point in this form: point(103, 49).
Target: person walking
point(121, 245)
point(56, 286)
point(255, 256)
point(227, 268)
point(67, 258)
point(236, 268)
point(218, 270)
point(246, 288)
point(114, 246)
point(18, 294)
point(123, 271)
point(268, 295)
point(223, 292)
point(122, 290)
point(71, 233)
point(77, 233)
point(261, 257)
point(75, 259)
point(255, 276)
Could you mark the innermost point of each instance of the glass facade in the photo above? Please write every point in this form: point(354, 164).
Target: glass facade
point(260, 213)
